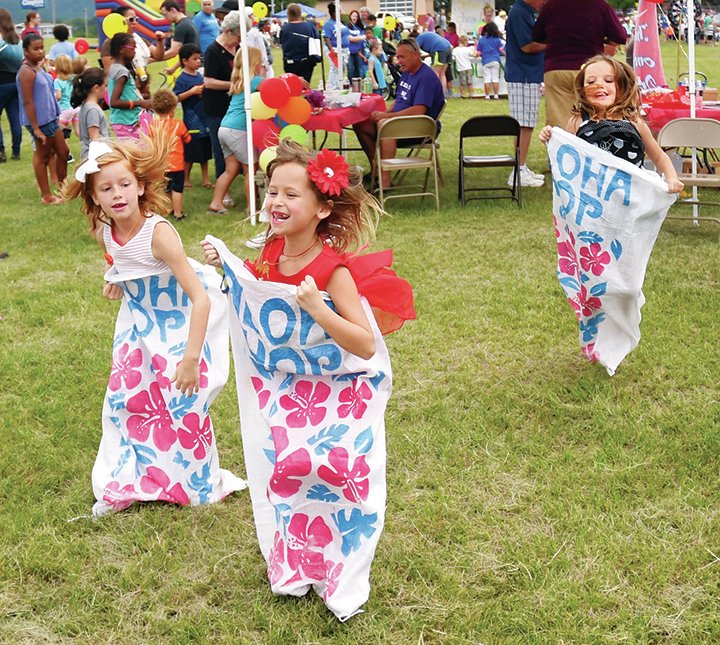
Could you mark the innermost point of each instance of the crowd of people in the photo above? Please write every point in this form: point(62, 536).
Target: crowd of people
point(394, 62)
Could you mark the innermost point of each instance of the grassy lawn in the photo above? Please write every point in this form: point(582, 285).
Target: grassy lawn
point(531, 498)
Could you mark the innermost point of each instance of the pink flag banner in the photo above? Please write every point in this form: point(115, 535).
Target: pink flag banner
point(646, 49)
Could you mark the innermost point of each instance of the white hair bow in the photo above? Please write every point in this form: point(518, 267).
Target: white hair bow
point(88, 167)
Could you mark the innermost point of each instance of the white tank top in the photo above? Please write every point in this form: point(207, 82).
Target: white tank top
point(135, 257)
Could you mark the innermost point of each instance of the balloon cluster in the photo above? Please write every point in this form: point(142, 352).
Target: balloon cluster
point(278, 99)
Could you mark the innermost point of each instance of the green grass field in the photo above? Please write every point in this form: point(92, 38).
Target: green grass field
point(531, 498)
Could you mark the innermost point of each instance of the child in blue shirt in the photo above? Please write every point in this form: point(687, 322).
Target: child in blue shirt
point(491, 49)
point(375, 67)
point(189, 88)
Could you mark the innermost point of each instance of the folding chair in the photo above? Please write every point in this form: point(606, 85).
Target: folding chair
point(484, 127)
point(405, 128)
point(704, 136)
point(415, 149)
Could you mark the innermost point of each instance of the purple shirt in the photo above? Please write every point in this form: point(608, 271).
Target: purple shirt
point(421, 88)
point(575, 31)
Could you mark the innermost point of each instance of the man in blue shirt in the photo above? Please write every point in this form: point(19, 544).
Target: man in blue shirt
point(524, 68)
point(207, 24)
point(419, 92)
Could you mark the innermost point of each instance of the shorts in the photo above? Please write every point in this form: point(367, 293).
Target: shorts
point(234, 144)
point(524, 99)
point(491, 72)
point(48, 129)
point(175, 181)
point(124, 131)
point(465, 77)
point(199, 150)
point(444, 57)
point(559, 96)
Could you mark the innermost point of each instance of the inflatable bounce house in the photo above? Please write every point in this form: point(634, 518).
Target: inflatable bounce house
point(150, 19)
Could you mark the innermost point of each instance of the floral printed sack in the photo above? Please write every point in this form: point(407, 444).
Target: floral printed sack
point(159, 444)
point(607, 216)
point(313, 432)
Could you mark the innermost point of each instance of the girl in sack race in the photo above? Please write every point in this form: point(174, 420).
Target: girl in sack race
point(170, 355)
point(314, 375)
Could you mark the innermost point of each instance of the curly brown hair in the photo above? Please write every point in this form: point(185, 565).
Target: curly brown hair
point(355, 212)
point(627, 96)
point(148, 161)
point(163, 102)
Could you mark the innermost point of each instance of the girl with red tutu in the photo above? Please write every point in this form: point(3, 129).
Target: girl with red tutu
point(320, 217)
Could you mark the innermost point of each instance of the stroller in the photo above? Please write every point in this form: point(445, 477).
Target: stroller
point(394, 70)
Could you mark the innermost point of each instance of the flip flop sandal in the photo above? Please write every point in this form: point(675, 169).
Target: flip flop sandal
point(218, 211)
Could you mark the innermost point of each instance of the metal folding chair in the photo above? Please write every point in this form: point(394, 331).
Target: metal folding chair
point(423, 130)
point(704, 136)
point(485, 127)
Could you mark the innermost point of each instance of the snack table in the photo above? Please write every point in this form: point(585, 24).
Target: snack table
point(658, 115)
point(334, 120)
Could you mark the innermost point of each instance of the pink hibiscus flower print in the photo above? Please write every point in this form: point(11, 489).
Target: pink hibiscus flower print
point(160, 365)
point(303, 403)
point(276, 559)
point(354, 398)
point(119, 498)
point(593, 258)
point(151, 414)
point(203, 374)
point(123, 365)
point(157, 480)
point(195, 437)
point(567, 260)
point(332, 577)
point(353, 481)
point(262, 395)
point(590, 353)
point(588, 304)
point(304, 547)
point(296, 464)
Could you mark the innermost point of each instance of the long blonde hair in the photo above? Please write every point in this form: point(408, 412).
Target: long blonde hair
point(627, 94)
point(148, 161)
point(237, 79)
point(355, 212)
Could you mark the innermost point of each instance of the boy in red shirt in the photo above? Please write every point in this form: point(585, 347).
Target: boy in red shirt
point(163, 103)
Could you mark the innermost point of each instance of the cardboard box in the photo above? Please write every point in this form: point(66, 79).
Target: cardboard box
point(710, 94)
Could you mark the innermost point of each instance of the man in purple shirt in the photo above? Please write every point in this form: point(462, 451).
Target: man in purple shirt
point(419, 92)
point(573, 32)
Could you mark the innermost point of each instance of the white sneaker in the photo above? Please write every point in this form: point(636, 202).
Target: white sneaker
point(258, 241)
point(527, 179)
point(537, 175)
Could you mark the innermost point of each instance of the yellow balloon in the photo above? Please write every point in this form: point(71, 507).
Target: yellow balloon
point(389, 23)
point(260, 10)
point(113, 24)
point(258, 109)
point(266, 156)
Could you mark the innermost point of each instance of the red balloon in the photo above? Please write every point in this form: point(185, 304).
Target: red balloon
point(82, 46)
point(294, 83)
point(297, 110)
point(265, 133)
point(274, 92)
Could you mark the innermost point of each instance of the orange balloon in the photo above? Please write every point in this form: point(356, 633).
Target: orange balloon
point(296, 111)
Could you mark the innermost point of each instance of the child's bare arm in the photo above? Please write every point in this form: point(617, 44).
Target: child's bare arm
point(166, 246)
point(660, 158)
point(349, 327)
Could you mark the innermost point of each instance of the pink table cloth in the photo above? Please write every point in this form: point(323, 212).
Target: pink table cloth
point(658, 116)
point(336, 120)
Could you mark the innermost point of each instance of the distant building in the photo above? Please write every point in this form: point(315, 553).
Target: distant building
point(46, 29)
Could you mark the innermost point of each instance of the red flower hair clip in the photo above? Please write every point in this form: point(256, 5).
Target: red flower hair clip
point(329, 172)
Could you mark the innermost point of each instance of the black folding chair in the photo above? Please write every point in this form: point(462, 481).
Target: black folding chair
point(485, 127)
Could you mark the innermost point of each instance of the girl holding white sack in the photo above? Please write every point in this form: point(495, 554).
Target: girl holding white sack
point(170, 357)
point(314, 376)
point(607, 115)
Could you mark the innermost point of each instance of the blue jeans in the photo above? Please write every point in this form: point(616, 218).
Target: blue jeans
point(354, 67)
point(9, 102)
point(213, 125)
